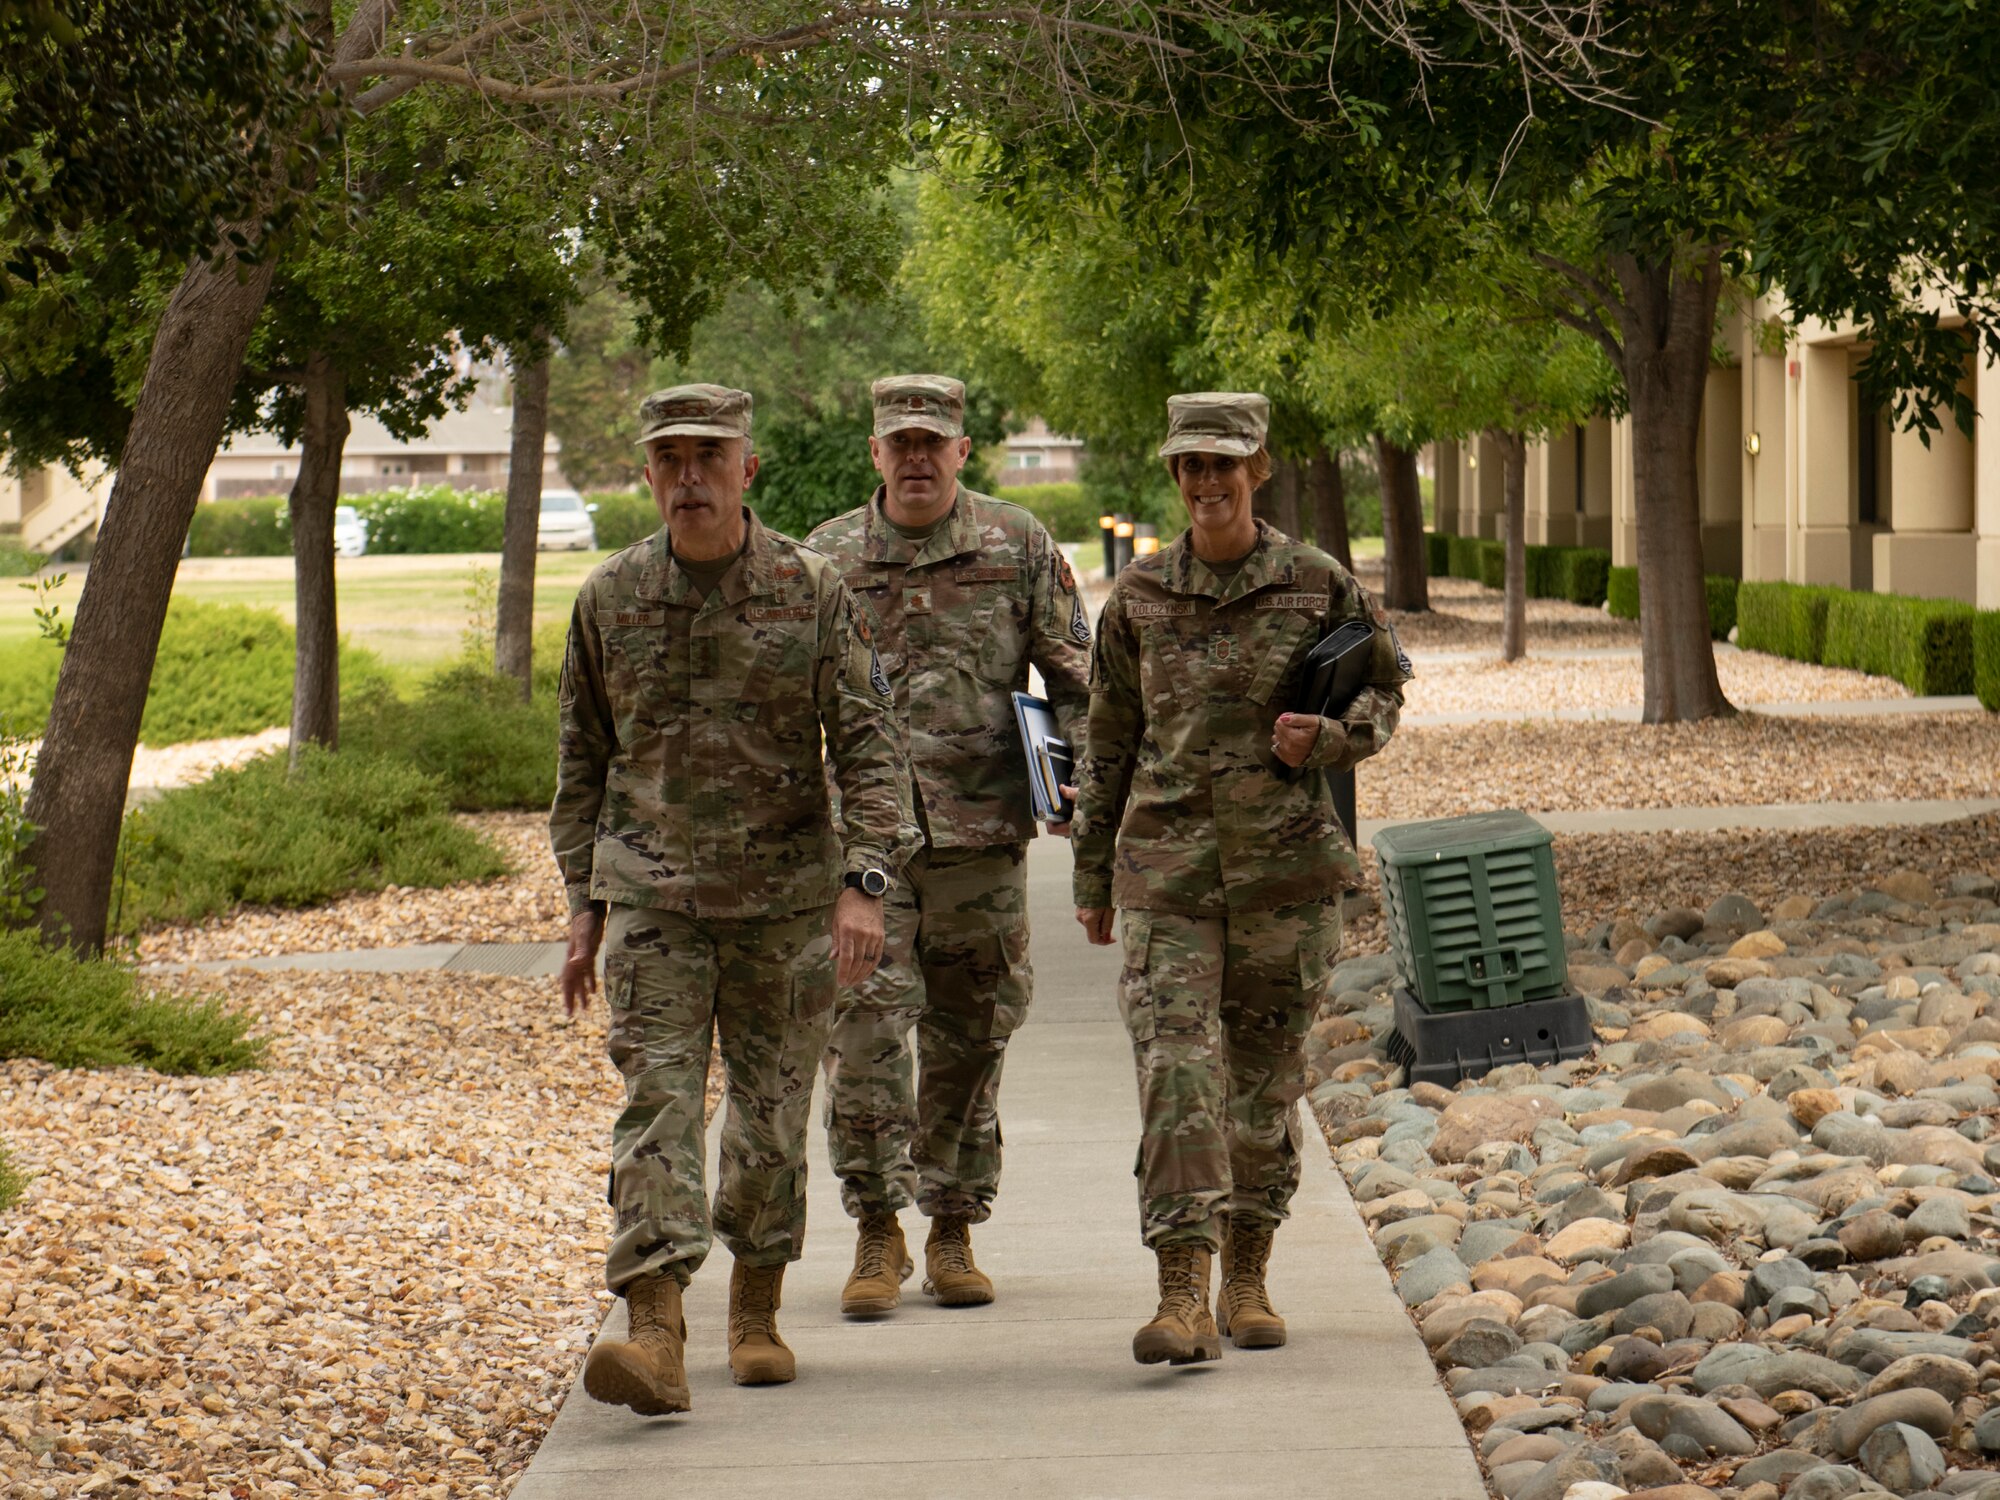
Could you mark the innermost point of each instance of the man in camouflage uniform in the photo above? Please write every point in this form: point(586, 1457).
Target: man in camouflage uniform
point(965, 592)
point(1228, 865)
point(706, 667)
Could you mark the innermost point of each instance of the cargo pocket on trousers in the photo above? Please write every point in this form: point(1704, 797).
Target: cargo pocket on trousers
point(624, 1040)
point(1012, 988)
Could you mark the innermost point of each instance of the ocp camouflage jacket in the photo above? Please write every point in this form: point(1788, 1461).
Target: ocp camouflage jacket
point(690, 773)
point(958, 618)
point(1180, 806)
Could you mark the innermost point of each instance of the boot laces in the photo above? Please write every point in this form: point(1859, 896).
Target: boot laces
point(1250, 1249)
point(646, 1311)
point(871, 1257)
point(756, 1304)
point(1180, 1281)
point(954, 1245)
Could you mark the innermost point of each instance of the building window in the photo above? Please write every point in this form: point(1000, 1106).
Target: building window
point(1031, 460)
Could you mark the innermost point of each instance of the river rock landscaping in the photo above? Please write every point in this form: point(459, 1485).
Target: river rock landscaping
point(1750, 1247)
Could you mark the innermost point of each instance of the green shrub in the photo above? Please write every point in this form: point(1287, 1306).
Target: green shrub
point(13, 1181)
point(1462, 553)
point(1621, 593)
point(469, 731)
point(1545, 566)
point(1783, 619)
point(1585, 575)
point(93, 1013)
point(623, 517)
point(1986, 658)
point(17, 561)
point(1437, 554)
point(1721, 605)
point(254, 526)
point(1925, 644)
point(257, 835)
point(435, 519)
point(1064, 508)
point(222, 669)
point(1493, 564)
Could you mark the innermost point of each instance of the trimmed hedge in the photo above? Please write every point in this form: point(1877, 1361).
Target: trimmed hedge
point(1462, 556)
point(1545, 571)
point(1783, 619)
point(623, 517)
point(1621, 593)
point(253, 526)
point(1925, 644)
point(1493, 564)
point(1069, 514)
point(1585, 575)
point(1437, 554)
point(1986, 658)
point(437, 519)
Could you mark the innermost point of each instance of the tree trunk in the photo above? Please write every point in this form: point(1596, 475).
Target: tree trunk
point(1408, 583)
point(77, 801)
point(1514, 536)
point(315, 493)
point(514, 636)
point(1667, 322)
point(1329, 505)
point(1285, 497)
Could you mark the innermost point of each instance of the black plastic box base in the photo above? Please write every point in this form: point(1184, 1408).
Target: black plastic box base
point(1443, 1047)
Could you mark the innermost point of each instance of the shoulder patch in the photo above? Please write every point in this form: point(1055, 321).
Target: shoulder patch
point(1402, 656)
point(1159, 609)
point(1079, 628)
point(1065, 576)
point(877, 678)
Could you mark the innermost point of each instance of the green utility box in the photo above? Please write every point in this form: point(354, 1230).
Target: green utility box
point(1472, 911)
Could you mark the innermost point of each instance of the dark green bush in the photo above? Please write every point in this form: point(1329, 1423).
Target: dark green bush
point(1545, 566)
point(623, 517)
point(1586, 575)
point(254, 526)
point(1784, 619)
point(1462, 553)
point(1925, 644)
point(1986, 658)
point(222, 669)
point(437, 519)
point(1493, 564)
point(1064, 509)
point(1621, 593)
point(1721, 605)
point(17, 561)
point(469, 731)
point(262, 836)
point(93, 1013)
point(1437, 554)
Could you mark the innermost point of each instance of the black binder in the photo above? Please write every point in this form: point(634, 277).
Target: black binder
point(1336, 672)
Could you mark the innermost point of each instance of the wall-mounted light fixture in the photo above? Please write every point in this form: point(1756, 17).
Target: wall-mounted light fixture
point(1472, 460)
point(1753, 445)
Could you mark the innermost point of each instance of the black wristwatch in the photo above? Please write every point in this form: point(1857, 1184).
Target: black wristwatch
point(868, 882)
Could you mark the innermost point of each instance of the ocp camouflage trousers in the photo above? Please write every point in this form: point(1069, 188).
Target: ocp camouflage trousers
point(1218, 1009)
point(955, 971)
point(764, 986)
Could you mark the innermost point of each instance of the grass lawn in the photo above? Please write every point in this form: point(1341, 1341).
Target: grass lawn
point(410, 611)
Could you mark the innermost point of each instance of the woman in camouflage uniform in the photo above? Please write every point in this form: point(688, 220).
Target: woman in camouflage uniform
point(1228, 868)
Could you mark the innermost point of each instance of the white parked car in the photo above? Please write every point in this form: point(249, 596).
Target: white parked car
point(350, 532)
point(565, 523)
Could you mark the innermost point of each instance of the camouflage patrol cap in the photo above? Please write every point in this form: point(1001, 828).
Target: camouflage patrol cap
point(935, 403)
point(1216, 422)
point(695, 411)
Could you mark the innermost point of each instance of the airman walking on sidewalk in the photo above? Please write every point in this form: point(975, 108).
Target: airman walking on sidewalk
point(705, 668)
point(965, 592)
point(1228, 870)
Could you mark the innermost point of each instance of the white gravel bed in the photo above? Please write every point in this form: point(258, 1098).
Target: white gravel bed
point(180, 765)
point(370, 1268)
point(1534, 685)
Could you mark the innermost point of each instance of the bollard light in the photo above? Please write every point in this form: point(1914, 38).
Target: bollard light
point(1121, 530)
point(1145, 539)
point(1104, 524)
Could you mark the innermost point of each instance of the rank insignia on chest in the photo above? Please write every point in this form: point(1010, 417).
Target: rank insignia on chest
point(917, 602)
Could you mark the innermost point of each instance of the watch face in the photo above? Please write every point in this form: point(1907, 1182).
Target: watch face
point(874, 882)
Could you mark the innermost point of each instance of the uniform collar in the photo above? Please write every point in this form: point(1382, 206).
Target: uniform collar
point(753, 572)
point(1267, 564)
point(957, 536)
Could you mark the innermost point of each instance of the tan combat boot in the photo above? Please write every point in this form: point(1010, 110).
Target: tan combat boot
point(647, 1369)
point(757, 1356)
point(949, 1274)
point(1183, 1330)
point(881, 1265)
point(1243, 1310)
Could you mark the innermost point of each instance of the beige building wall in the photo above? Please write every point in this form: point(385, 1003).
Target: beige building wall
point(1446, 466)
point(1482, 479)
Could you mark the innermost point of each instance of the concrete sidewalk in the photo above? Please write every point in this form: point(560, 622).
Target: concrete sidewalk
point(1037, 1395)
